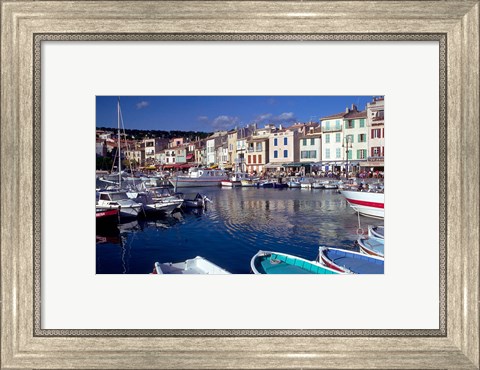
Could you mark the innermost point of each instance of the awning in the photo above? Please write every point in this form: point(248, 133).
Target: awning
point(189, 156)
point(273, 165)
point(297, 164)
point(182, 165)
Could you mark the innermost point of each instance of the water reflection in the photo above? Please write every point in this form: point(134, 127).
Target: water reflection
point(235, 226)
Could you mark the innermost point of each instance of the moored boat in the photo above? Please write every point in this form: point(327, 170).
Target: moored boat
point(376, 232)
point(249, 182)
point(197, 265)
point(372, 246)
point(293, 184)
point(106, 216)
point(265, 262)
point(235, 179)
point(199, 177)
point(119, 200)
point(366, 203)
point(318, 185)
point(330, 185)
point(151, 206)
point(271, 184)
point(194, 201)
point(349, 261)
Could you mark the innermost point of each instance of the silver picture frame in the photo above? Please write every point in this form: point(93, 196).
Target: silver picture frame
point(453, 24)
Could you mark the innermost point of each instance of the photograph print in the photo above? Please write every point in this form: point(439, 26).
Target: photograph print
point(240, 185)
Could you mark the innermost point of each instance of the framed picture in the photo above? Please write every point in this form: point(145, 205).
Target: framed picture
point(59, 57)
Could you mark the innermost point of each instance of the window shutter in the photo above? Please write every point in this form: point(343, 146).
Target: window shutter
point(383, 132)
point(372, 133)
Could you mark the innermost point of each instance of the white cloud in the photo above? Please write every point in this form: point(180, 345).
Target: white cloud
point(286, 117)
point(221, 123)
point(142, 104)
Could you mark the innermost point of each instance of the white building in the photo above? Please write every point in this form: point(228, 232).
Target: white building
point(376, 135)
point(344, 140)
point(212, 143)
point(310, 146)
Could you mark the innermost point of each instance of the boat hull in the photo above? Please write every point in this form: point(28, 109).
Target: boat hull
point(372, 247)
point(281, 263)
point(197, 265)
point(365, 203)
point(192, 183)
point(348, 261)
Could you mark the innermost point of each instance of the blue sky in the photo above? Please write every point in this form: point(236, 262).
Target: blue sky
point(213, 113)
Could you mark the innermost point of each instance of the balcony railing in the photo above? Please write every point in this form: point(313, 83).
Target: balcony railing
point(331, 129)
point(376, 159)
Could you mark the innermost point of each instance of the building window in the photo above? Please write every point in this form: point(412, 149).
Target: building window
point(376, 133)
point(259, 158)
point(337, 137)
point(285, 141)
point(249, 159)
point(285, 153)
point(275, 154)
point(304, 142)
point(327, 125)
point(349, 154)
point(327, 138)
point(361, 154)
point(337, 153)
point(306, 154)
point(376, 151)
point(362, 122)
point(362, 138)
point(275, 142)
point(350, 124)
point(327, 153)
point(312, 141)
point(255, 159)
point(259, 147)
point(350, 138)
point(337, 124)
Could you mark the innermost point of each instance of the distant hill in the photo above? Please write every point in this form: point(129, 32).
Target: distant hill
point(141, 134)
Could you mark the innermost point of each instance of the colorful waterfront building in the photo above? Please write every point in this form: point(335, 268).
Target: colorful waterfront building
point(376, 137)
point(283, 148)
point(344, 140)
point(310, 147)
point(243, 134)
point(213, 142)
point(355, 144)
point(152, 147)
point(332, 139)
point(232, 147)
point(258, 149)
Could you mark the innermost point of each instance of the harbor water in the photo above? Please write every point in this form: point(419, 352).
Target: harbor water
point(235, 226)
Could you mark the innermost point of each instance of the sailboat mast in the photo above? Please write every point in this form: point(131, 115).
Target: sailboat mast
point(118, 151)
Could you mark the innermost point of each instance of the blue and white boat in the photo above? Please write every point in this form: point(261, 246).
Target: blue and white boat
point(372, 246)
point(265, 262)
point(347, 261)
point(271, 184)
point(376, 232)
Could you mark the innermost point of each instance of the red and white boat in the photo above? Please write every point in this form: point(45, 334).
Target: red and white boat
point(369, 204)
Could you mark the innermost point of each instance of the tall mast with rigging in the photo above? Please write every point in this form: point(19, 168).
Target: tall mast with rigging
point(118, 151)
